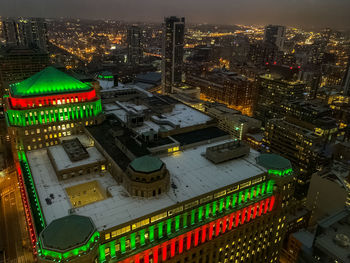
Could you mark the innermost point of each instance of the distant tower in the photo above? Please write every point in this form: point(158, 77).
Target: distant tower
point(134, 45)
point(26, 32)
point(346, 81)
point(172, 53)
point(275, 35)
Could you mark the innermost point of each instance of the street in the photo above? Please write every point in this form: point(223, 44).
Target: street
point(17, 245)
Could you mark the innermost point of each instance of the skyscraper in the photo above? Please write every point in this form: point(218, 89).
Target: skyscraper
point(346, 81)
point(134, 45)
point(26, 32)
point(275, 35)
point(173, 41)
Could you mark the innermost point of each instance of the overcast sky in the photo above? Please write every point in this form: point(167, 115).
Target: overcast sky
point(310, 13)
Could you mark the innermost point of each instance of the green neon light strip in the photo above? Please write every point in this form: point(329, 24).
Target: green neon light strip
point(250, 194)
point(281, 173)
point(168, 226)
point(32, 194)
point(59, 113)
point(74, 252)
point(160, 229)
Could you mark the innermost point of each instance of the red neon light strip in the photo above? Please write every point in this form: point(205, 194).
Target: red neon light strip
point(155, 254)
point(164, 250)
point(266, 205)
point(172, 248)
point(195, 232)
point(217, 227)
point(224, 224)
point(255, 210)
point(249, 213)
point(189, 240)
point(211, 226)
point(231, 221)
point(272, 202)
point(34, 102)
point(237, 218)
point(181, 244)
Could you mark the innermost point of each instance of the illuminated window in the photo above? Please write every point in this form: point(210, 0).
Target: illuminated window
point(107, 236)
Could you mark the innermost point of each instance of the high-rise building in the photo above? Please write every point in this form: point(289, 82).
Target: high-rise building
point(172, 53)
point(275, 35)
point(47, 106)
point(19, 63)
point(30, 32)
point(272, 91)
point(346, 81)
point(134, 45)
point(140, 188)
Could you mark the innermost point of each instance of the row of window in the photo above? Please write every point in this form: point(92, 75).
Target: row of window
point(211, 208)
point(192, 238)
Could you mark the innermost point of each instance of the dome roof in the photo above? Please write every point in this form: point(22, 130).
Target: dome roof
point(146, 164)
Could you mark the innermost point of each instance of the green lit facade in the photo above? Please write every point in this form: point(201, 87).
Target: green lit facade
point(49, 105)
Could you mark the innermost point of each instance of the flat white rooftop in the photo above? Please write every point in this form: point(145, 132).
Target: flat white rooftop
point(181, 116)
point(63, 162)
point(190, 171)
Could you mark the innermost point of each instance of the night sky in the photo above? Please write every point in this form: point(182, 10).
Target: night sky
point(310, 13)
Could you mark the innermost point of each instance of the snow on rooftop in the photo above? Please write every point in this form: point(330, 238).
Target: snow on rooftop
point(181, 116)
point(63, 162)
point(190, 171)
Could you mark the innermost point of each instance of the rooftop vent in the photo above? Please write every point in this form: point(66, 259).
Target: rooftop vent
point(227, 151)
point(75, 150)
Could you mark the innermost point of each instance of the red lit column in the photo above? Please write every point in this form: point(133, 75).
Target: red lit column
point(249, 213)
point(255, 210)
point(181, 244)
point(237, 217)
point(231, 221)
point(172, 248)
point(155, 254)
point(224, 224)
point(243, 215)
point(266, 205)
point(196, 237)
point(272, 202)
point(211, 226)
point(189, 240)
point(204, 233)
point(217, 227)
point(137, 258)
point(146, 257)
point(261, 204)
point(164, 250)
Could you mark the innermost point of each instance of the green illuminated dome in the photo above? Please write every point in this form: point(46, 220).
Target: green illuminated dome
point(47, 82)
point(106, 75)
point(146, 164)
point(67, 232)
point(274, 163)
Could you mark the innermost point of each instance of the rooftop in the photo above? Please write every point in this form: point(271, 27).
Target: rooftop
point(67, 232)
point(46, 82)
point(146, 164)
point(191, 175)
point(63, 162)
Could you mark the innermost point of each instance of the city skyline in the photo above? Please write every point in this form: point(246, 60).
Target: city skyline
point(291, 13)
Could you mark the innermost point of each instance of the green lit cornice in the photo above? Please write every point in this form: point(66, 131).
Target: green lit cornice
point(47, 82)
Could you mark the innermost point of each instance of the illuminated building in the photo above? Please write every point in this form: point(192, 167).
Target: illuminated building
point(26, 32)
point(172, 53)
point(47, 106)
point(334, 179)
point(328, 243)
point(275, 35)
point(346, 81)
point(169, 189)
point(272, 91)
point(229, 88)
point(17, 64)
point(134, 45)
